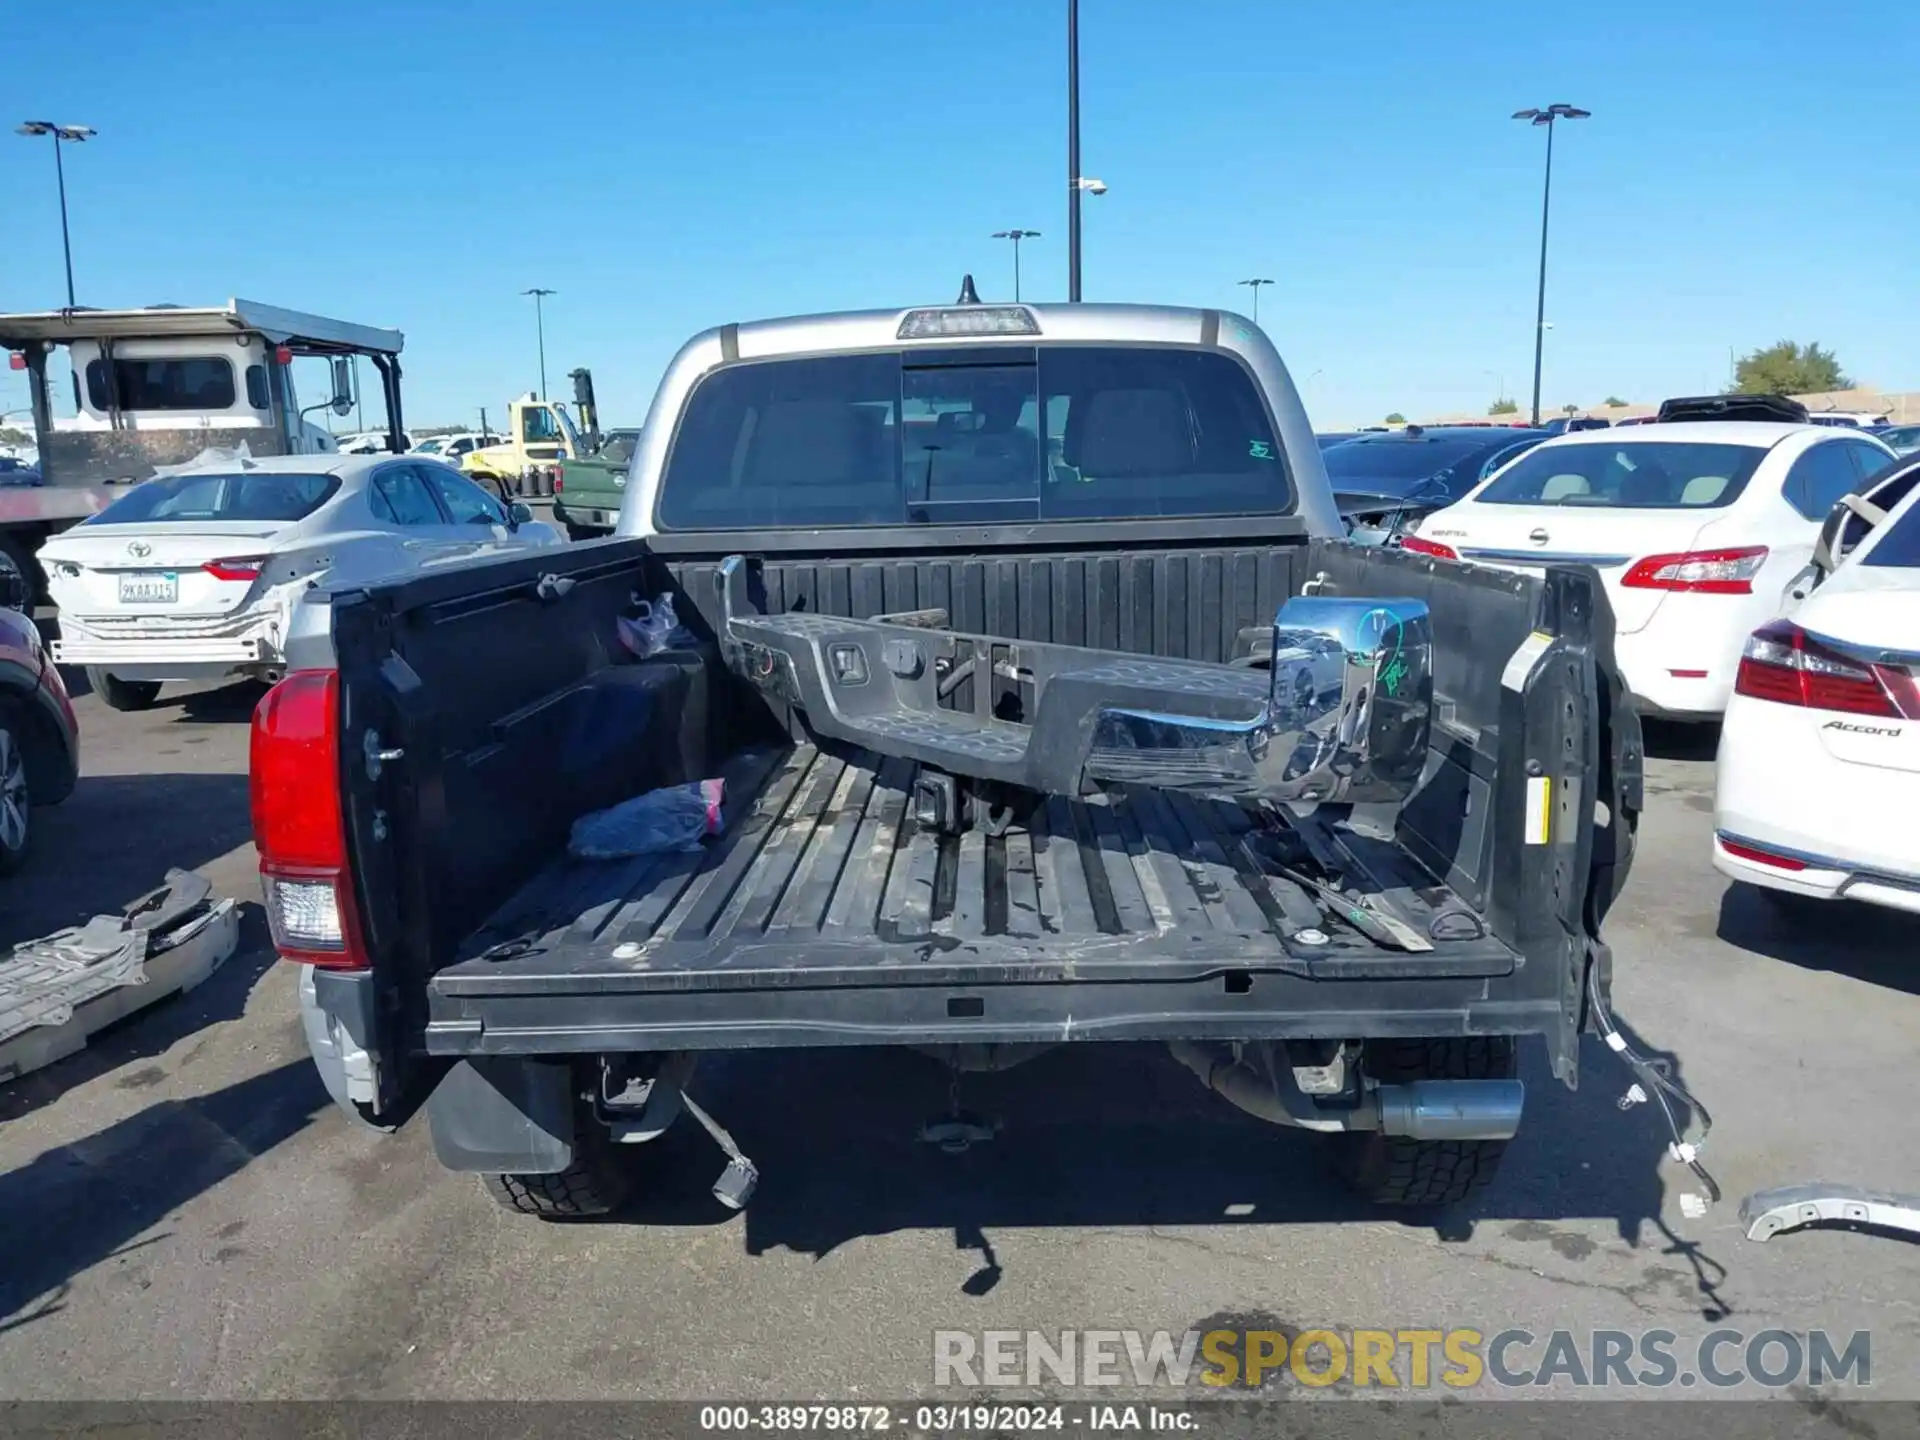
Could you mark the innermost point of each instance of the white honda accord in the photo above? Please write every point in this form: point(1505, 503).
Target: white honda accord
point(192, 575)
point(1696, 527)
point(1818, 781)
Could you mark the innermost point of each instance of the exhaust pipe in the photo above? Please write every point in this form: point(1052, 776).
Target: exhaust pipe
point(1420, 1109)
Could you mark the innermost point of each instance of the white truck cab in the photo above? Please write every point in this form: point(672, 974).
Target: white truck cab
point(159, 385)
point(192, 383)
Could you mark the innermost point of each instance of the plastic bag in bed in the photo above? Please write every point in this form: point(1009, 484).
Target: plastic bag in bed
point(654, 629)
point(676, 818)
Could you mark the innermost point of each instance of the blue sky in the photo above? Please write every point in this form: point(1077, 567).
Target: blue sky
point(1749, 174)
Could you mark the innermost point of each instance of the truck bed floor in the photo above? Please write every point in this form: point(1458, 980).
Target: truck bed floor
point(822, 878)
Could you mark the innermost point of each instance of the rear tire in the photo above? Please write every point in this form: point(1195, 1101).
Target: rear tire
point(598, 1181)
point(18, 557)
point(16, 807)
point(123, 694)
point(1399, 1170)
point(13, 556)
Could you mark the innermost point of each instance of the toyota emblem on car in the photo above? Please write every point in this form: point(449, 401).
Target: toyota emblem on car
point(139, 549)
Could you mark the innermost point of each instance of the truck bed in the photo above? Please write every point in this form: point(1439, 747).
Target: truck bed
point(822, 882)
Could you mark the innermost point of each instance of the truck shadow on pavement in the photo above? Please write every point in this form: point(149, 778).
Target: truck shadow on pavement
point(114, 839)
point(228, 703)
point(1119, 1135)
point(1842, 937)
point(78, 1205)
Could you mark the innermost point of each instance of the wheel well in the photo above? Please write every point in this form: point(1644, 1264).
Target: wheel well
point(18, 545)
point(49, 776)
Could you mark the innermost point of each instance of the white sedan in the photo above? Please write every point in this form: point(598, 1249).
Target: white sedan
point(1696, 527)
point(1818, 779)
point(194, 574)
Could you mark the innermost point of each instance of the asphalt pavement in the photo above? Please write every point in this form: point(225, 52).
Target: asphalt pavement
point(185, 1214)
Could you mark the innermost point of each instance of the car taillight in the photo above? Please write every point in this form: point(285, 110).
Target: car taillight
point(1707, 572)
point(298, 825)
point(240, 567)
point(559, 481)
point(1428, 547)
point(1786, 665)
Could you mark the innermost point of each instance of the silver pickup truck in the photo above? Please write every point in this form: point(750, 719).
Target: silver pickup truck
point(1051, 708)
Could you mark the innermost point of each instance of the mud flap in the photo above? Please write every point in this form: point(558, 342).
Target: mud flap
point(504, 1116)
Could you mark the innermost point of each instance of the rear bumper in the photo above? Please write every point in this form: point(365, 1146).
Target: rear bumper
point(585, 514)
point(1789, 815)
point(1682, 665)
point(1820, 877)
point(167, 657)
point(1221, 1006)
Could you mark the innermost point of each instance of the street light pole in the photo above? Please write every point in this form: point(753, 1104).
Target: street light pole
point(75, 133)
point(1073, 150)
point(1016, 236)
point(540, 329)
point(1546, 117)
point(1254, 285)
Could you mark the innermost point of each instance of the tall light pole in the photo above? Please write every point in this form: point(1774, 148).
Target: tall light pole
point(1076, 182)
point(1016, 236)
point(76, 134)
point(1546, 117)
point(1073, 150)
point(1254, 285)
point(540, 329)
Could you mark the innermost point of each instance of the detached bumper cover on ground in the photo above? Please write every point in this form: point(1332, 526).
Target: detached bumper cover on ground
point(58, 990)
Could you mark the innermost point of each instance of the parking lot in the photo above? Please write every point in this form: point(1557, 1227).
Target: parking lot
point(188, 1215)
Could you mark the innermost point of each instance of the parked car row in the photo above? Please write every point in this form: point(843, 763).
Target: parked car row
point(451, 448)
point(194, 575)
point(1697, 530)
point(1759, 572)
point(1819, 766)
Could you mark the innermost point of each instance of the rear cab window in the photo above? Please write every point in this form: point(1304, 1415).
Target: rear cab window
point(1632, 475)
point(201, 383)
point(984, 434)
point(269, 496)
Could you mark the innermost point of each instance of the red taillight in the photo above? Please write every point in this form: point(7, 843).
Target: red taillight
point(16, 361)
point(1784, 664)
point(298, 826)
point(1706, 572)
point(241, 567)
point(559, 481)
point(1428, 547)
point(1759, 856)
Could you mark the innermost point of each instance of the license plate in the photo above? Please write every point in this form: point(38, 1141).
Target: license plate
point(162, 589)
